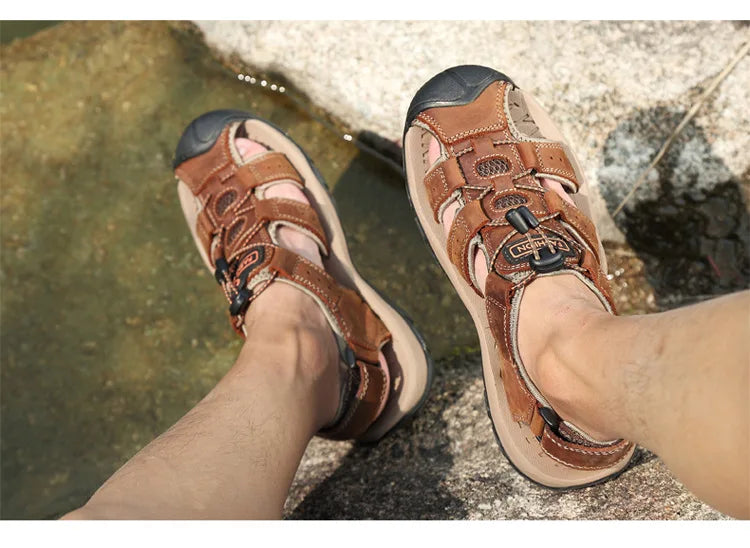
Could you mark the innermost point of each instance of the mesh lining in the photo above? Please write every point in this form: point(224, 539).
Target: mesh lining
point(492, 167)
point(224, 201)
point(509, 200)
point(235, 230)
point(522, 119)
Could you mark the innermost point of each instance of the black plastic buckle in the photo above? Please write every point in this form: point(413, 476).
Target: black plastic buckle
point(551, 418)
point(523, 220)
point(243, 295)
point(239, 301)
point(548, 261)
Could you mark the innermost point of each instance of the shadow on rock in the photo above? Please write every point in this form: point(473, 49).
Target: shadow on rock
point(401, 477)
point(689, 220)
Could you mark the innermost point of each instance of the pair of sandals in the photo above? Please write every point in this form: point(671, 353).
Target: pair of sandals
point(496, 143)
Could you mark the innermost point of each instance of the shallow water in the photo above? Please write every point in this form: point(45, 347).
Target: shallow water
point(111, 326)
point(13, 30)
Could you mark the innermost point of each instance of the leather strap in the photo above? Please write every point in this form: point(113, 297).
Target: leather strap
point(354, 319)
point(498, 292)
point(469, 220)
point(548, 159)
point(269, 167)
point(581, 456)
point(291, 211)
point(441, 183)
point(366, 403)
point(351, 317)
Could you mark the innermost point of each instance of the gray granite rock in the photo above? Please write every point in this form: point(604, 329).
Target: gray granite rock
point(590, 75)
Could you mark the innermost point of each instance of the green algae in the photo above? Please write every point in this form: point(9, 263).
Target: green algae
point(13, 30)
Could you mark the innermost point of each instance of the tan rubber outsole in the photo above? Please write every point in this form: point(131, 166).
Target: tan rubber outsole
point(516, 440)
point(409, 363)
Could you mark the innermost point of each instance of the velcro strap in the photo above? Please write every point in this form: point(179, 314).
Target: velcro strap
point(269, 167)
point(364, 406)
point(548, 159)
point(353, 318)
point(293, 212)
point(583, 457)
point(442, 182)
point(468, 222)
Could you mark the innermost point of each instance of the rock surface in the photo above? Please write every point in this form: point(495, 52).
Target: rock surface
point(445, 464)
point(591, 76)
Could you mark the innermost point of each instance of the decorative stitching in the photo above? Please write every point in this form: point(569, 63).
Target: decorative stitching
point(458, 136)
point(538, 146)
point(584, 451)
point(601, 467)
point(508, 343)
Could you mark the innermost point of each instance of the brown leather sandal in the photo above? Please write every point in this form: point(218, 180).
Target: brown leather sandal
point(234, 227)
point(495, 144)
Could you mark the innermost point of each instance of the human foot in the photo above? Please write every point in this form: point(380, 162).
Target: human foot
point(487, 174)
point(281, 299)
point(549, 305)
point(286, 188)
point(259, 215)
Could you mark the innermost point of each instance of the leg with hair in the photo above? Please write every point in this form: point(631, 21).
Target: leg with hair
point(235, 454)
point(675, 382)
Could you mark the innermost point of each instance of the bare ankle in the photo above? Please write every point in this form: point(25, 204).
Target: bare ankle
point(559, 317)
point(288, 334)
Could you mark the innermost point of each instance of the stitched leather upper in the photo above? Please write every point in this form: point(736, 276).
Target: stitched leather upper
point(236, 227)
point(492, 169)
